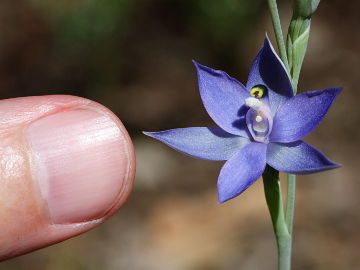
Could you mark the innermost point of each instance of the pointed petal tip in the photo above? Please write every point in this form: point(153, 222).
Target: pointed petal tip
point(335, 91)
point(338, 89)
point(331, 166)
point(267, 39)
point(147, 133)
point(223, 198)
point(324, 168)
point(268, 45)
point(201, 68)
point(205, 70)
point(198, 65)
point(151, 134)
point(220, 201)
point(224, 195)
point(334, 165)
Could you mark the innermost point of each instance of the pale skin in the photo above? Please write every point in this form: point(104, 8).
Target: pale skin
point(39, 205)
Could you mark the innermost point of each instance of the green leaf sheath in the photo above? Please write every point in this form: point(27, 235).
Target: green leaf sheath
point(297, 40)
point(298, 36)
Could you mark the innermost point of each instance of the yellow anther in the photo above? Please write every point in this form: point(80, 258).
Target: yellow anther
point(257, 92)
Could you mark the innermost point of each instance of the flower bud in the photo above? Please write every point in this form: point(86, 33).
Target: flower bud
point(305, 8)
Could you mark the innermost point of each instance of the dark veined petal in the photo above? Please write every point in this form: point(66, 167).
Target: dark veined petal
point(267, 69)
point(297, 158)
point(301, 114)
point(223, 98)
point(241, 170)
point(211, 143)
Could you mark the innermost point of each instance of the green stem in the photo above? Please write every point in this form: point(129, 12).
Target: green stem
point(282, 224)
point(278, 31)
point(292, 57)
point(291, 178)
point(274, 201)
point(290, 202)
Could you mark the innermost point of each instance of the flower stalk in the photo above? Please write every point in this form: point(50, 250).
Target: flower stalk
point(274, 201)
point(275, 18)
point(290, 202)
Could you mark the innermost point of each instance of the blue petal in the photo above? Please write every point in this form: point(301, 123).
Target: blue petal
point(301, 114)
point(268, 70)
point(297, 158)
point(224, 99)
point(211, 143)
point(241, 170)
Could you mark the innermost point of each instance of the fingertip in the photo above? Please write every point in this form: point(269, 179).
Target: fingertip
point(79, 166)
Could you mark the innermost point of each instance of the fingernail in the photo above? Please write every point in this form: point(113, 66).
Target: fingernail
point(80, 161)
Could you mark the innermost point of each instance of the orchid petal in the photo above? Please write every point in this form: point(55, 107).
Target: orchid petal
point(241, 170)
point(301, 114)
point(268, 70)
point(210, 143)
point(297, 158)
point(223, 98)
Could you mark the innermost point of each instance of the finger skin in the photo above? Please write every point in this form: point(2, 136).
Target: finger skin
point(25, 224)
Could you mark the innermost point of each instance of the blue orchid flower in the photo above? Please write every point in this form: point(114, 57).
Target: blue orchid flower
point(258, 124)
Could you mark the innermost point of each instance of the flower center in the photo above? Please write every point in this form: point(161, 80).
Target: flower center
point(258, 119)
point(258, 91)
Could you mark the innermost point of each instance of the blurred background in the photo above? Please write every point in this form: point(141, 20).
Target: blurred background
point(134, 56)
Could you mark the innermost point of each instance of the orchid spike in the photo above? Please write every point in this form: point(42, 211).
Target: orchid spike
point(258, 124)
